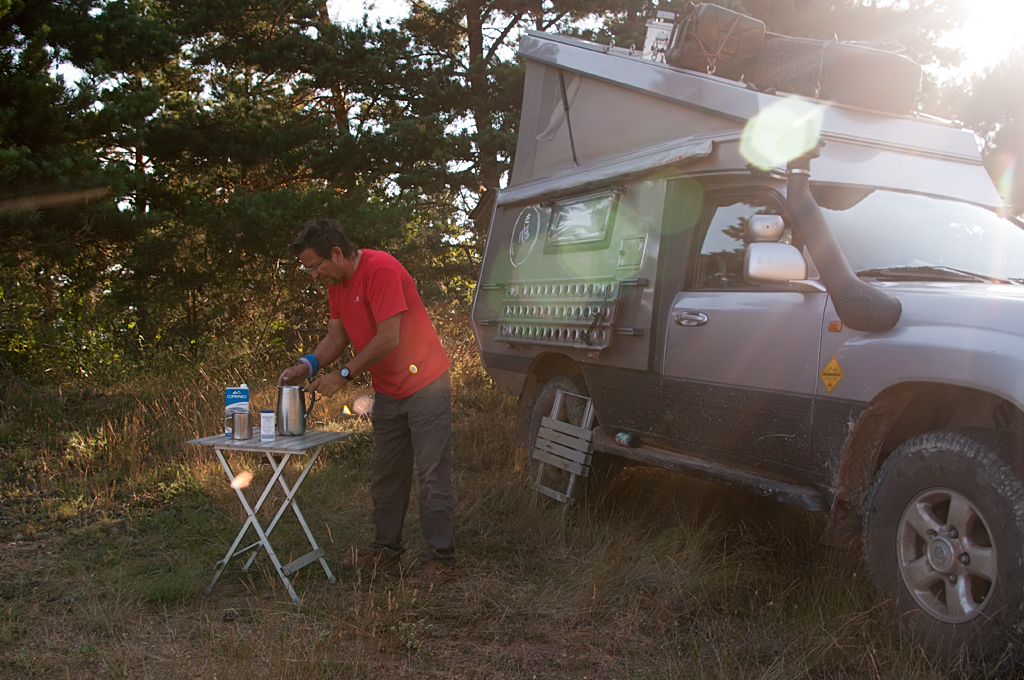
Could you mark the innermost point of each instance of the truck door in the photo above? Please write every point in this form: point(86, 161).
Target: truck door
point(740, 359)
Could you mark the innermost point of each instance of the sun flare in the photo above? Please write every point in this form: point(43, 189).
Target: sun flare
point(990, 33)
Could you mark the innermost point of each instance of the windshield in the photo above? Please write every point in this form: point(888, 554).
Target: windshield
point(884, 229)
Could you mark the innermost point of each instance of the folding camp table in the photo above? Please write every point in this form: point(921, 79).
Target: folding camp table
point(278, 452)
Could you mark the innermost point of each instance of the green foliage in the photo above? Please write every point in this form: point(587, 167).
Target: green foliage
point(213, 134)
point(145, 207)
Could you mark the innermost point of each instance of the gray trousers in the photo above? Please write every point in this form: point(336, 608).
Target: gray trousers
point(417, 428)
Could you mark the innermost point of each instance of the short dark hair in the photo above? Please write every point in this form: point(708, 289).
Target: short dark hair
point(322, 236)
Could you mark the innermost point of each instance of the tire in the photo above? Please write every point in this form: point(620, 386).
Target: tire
point(943, 538)
point(603, 467)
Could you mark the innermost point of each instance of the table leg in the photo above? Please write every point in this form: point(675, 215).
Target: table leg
point(256, 526)
point(278, 468)
point(302, 520)
point(238, 539)
point(266, 546)
point(290, 501)
point(245, 527)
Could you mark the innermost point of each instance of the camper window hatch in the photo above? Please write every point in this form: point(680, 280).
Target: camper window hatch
point(582, 223)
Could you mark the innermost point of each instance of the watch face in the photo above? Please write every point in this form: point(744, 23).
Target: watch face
point(345, 372)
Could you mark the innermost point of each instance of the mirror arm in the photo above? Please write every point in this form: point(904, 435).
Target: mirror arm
point(808, 285)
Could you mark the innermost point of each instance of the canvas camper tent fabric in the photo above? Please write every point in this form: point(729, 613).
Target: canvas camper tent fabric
point(626, 110)
point(606, 122)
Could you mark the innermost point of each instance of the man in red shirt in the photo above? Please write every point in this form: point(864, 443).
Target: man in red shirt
point(375, 306)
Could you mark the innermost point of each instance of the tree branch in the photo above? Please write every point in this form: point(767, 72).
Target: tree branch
point(543, 27)
point(500, 40)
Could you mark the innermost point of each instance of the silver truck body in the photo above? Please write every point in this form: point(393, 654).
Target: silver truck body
point(816, 302)
point(639, 131)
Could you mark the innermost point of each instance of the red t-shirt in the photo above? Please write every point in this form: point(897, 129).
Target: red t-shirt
point(379, 289)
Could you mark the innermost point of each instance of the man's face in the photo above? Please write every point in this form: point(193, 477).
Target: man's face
point(326, 269)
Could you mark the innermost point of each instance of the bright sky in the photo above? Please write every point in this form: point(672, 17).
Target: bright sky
point(992, 31)
point(350, 11)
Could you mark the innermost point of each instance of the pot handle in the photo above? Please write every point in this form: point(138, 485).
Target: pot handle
point(311, 403)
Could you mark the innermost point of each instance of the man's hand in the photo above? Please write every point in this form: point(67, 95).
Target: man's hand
point(328, 385)
point(294, 375)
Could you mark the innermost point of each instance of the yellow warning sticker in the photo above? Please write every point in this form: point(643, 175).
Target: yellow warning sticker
point(831, 374)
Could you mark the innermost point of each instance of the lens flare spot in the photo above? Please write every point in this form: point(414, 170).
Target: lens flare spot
point(781, 132)
point(363, 405)
point(1005, 172)
point(345, 410)
point(413, 369)
point(241, 480)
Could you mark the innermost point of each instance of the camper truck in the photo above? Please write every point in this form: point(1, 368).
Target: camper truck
point(818, 302)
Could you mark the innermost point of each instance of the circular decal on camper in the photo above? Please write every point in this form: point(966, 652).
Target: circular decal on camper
point(524, 235)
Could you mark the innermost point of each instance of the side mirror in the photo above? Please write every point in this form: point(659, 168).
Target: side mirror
point(773, 263)
point(765, 228)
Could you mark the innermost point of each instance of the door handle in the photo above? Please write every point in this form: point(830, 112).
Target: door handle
point(691, 318)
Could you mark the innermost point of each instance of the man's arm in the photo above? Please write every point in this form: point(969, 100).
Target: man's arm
point(327, 350)
point(376, 349)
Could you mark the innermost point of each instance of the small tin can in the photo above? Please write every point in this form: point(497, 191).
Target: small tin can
point(628, 440)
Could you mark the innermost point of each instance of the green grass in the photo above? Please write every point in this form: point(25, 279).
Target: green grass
point(110, 524)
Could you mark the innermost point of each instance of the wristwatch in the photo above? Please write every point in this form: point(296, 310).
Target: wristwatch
point(345, 373)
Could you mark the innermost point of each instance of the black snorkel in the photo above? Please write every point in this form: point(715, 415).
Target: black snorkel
point(860, 305)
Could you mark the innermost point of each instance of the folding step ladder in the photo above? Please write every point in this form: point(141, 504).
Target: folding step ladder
point(564, 446)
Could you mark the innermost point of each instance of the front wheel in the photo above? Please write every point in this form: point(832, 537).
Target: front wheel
point(603, 467)
point(944, 539)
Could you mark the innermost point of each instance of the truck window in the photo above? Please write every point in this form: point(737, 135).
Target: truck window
point(723, 242)
point(583, 223)
point(889, 229)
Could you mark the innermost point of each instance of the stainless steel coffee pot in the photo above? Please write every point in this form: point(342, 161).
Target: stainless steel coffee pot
point(291, 409)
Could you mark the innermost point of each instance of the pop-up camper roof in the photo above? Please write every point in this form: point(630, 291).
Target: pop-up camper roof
point(628, 114)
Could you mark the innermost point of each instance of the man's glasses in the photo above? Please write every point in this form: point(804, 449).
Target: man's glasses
point(314, 268)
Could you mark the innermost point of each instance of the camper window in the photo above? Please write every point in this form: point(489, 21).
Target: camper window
point(582, 223)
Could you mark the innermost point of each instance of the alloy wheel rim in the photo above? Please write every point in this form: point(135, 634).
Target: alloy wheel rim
point(946, 555)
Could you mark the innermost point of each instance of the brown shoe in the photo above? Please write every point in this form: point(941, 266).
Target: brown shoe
point(357, 559)
point(432, 573)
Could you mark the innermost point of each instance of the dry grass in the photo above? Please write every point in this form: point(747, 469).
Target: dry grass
point(109, 524)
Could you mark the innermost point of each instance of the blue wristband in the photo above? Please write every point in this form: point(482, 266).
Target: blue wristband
point(311, 362)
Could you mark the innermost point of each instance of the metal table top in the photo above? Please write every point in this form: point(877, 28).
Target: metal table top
point(297, 444)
